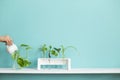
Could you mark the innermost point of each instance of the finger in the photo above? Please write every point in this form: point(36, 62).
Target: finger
point(9, 42)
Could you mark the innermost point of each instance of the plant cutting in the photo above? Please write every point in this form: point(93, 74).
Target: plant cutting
point(26, 48)
point(50, 50)
point(19, 60)
point(43, 49)
point(63, 49)
point(55, 51)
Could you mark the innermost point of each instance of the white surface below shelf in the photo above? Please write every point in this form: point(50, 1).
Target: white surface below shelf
point(51, 71)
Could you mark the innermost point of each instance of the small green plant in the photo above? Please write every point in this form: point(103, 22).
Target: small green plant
point(43, 49)
point(55, 51)
point(50, 50)
point(22, 62)
point(27, 48)
point(63, 49)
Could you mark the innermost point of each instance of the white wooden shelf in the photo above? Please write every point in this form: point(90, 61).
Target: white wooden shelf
point(51, 71)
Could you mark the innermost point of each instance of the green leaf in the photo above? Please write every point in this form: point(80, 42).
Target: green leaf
point(27, 48)
point(23, 62)
point(24, 45)
point(53, 52)
point(58, 49)
point(20, 62)
point(56, 54)
point(44, 48)
point(26, 63)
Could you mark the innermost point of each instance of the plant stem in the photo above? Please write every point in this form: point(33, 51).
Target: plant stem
point(26, 54)
point(49, 57)
point(43, 55)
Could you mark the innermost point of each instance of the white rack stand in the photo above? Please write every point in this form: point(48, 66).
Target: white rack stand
point(54, 61)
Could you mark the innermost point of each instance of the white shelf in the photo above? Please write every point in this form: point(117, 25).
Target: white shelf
point(51, 71)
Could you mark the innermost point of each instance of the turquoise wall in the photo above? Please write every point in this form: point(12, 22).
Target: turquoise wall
point(90, 25)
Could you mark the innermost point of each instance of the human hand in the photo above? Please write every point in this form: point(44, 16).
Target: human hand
point(6, 39)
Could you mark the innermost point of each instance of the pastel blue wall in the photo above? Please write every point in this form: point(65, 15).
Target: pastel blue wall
point(90, 25)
